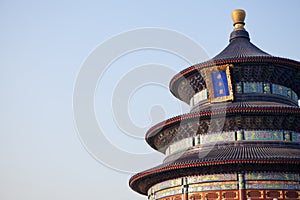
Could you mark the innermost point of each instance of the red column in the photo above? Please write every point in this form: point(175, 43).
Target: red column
point(242, 194)
point(242, 191)
point(185, 196)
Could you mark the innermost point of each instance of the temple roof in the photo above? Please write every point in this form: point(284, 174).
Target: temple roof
point(264, 112)
point(240, 47)
point(240, 50)
point(237, 116)
point(219, 158)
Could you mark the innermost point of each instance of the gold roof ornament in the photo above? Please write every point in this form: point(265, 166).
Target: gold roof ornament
point(238, 18)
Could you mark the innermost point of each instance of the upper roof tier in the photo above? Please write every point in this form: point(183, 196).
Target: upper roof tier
point(240, 45)
point(242, 54)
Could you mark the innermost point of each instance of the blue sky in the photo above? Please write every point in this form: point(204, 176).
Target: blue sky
point(43, 47)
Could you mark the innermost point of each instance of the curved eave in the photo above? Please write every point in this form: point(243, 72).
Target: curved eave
point(244, 111)
point(195, 69)
point(136, 180)
point(237, 157)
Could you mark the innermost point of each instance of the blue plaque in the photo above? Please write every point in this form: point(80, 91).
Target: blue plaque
point(220, 84)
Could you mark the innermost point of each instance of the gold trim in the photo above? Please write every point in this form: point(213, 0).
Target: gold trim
point(236, 194)
point(286, 191)
point(260, 191)
point(280, 193)
point(208, 73)
point(212, 192)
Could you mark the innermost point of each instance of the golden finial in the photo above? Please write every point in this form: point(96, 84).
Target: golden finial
point(238, 17)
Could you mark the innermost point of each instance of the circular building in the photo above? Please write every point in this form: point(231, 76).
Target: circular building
point(241, 139)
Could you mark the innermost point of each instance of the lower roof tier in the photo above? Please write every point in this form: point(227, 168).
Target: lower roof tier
point(222, 158)
point(233, 194)
point(224, 117)
point(226, 185)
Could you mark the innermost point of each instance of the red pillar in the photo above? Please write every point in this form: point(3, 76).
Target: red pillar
point(242, 188)
point(242, 194)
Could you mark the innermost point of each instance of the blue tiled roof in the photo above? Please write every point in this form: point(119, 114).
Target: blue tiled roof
point(240, 47)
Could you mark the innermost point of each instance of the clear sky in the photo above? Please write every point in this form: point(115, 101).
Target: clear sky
point(45, 46)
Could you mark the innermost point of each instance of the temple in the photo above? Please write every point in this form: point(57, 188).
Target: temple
point(241, 139)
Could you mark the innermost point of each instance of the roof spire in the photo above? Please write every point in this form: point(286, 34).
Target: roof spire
point(238, 18)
